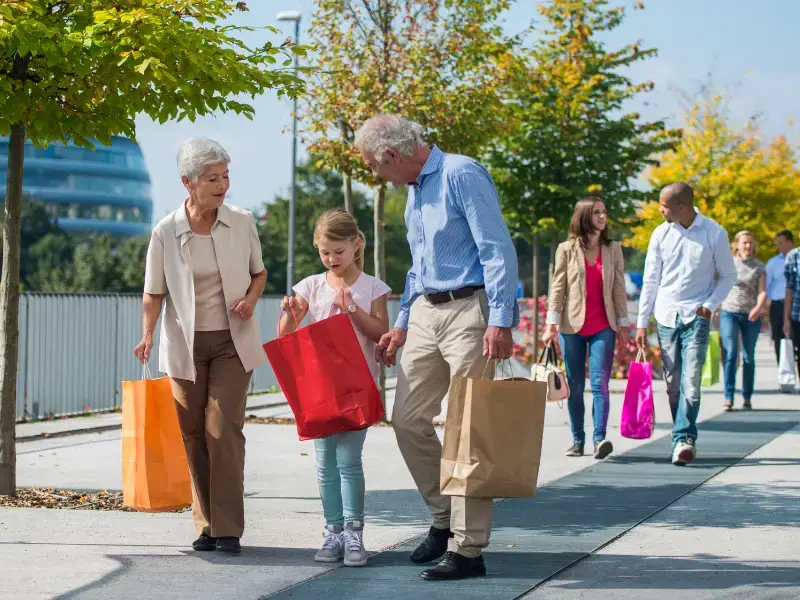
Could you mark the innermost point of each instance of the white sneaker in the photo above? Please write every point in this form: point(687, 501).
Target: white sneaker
point(332, 547)
point(353, 537)
point(684, 452)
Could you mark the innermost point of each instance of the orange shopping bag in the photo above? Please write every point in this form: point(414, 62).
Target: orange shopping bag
point(155, 471)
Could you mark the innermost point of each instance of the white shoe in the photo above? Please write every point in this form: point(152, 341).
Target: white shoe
point(332, 547)
point(353, 538)
point(684, 452)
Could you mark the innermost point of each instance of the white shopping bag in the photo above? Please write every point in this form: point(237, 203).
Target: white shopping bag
point(786, 373)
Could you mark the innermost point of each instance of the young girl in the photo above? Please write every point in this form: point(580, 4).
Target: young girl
point(344, 288)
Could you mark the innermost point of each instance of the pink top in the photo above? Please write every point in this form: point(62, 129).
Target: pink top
point(596, 317)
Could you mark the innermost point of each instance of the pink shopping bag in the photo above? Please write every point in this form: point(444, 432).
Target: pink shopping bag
point(638, 412)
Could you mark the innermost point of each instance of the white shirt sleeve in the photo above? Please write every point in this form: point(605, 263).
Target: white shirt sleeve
point(650, 280)
point(726, 269)
point(305, 288)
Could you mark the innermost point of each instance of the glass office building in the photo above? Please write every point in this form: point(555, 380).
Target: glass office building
point(106, 190)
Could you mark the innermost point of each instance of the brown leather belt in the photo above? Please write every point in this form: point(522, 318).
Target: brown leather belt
point(460, 294)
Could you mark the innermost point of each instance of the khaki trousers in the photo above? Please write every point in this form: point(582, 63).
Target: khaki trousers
point(211, 414)
point(443, 340)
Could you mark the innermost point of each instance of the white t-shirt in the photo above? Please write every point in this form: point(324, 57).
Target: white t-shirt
point(320, 295)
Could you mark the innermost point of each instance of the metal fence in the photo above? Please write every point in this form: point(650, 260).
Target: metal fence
point(75, 349)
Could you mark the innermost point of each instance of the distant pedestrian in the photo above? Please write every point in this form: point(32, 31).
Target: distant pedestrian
point(458, 309)
point(679, 285)
point(204, 263)
point(343, 288)
point(791, 309)
point(776, 287)
point(587, 308)
point(741, 316)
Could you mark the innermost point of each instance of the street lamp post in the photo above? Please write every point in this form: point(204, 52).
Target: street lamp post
point(293, 16)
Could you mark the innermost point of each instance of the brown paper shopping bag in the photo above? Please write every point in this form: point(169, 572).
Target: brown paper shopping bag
point(155, 471)
point(493, 437)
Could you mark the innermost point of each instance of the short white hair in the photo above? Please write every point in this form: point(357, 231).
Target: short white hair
point(196, 153)
point(382, 132)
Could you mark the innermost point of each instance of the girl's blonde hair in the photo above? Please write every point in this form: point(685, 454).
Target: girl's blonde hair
point(338, 225)
point(737, 237)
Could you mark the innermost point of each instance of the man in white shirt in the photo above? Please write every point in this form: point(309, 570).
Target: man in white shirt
point(776, 287)
point(683, 256)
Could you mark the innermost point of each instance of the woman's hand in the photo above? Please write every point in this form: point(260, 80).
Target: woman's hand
point(550, 336)
point(343, 298)
point(624, 335)
point(755, 314)
point(143, 348)
point(244, 308)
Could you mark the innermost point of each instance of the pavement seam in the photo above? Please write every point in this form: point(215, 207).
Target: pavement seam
point(648, 517)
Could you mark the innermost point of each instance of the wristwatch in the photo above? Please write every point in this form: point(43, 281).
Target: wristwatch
point(352, 308)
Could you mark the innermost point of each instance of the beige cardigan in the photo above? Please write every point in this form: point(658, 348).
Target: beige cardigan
point(566, 303)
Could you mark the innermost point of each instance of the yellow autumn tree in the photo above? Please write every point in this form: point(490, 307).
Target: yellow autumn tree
point(739, 180)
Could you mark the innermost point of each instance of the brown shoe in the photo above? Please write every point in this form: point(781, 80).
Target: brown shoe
point(575, 450)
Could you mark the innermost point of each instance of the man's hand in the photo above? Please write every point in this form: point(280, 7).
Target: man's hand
point(497, 342)
point(641, 338)
point(787, 328)
point(704, 313)
point(390, 343)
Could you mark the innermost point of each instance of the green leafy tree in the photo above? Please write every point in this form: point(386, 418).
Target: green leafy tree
point(571, 135)
point(81, 69)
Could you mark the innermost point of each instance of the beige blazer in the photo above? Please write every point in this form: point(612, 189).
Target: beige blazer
point(566, 302)
point(169, 271)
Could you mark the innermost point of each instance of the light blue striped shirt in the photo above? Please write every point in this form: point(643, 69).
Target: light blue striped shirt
point(458, 237)
point(776, 279)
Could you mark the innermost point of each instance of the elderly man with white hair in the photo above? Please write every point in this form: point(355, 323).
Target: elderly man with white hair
point(457, 311)
point(204, 264)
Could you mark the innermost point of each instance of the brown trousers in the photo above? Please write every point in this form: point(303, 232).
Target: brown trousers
point(443, 340)
point(211, 414)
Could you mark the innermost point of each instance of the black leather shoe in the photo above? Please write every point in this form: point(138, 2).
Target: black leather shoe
point(432, 547)
point(455, 566)
point(229, 544)
point(205, 543)
point(575, 450)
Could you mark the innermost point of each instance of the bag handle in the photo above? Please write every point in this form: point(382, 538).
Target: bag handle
point(501, 362)
point(549, 355)
point(146, 371)
point(294, 316)
point(641, 355)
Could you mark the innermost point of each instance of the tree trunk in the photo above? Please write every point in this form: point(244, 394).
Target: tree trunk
point(552, 266)
point(535, 316)
point(347, 180)
point(9, 311)
point(379, 253)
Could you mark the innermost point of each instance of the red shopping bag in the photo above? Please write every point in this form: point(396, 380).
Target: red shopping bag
point(325, 378)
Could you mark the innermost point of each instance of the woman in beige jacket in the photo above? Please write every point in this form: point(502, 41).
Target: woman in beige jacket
point(204, 264)
point(587, 306)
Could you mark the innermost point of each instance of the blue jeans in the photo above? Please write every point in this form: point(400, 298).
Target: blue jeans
point(601, 357)
point(683, 353)
point(730, 326)
point(340, 473)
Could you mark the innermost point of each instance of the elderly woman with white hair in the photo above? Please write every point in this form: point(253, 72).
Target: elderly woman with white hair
point(204, 264)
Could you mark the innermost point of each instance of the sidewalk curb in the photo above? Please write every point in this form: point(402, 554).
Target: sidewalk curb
point(102, 428)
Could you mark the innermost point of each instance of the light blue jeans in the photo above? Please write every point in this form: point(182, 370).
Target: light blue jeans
point(730, 326)
point(601, 357)
point(683, 353)
point(340, 473)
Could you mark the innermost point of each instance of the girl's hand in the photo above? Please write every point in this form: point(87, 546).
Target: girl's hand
point(290, 303)
point(343, 298)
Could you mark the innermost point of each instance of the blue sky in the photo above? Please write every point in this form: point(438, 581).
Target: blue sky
point(748, 46)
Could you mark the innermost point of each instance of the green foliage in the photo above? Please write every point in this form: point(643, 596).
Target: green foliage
point(570, 135)
point(319, 190)
point(85, 68)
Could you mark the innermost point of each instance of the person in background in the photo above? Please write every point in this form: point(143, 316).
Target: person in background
point(587, 307)
point(458, 310)
point(204, 263)
point(776, 287)
point(679, 287)
point(741, 315)
point(343, 289)
point(791, 305)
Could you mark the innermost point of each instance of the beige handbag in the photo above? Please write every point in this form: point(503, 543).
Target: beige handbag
point(547, 370)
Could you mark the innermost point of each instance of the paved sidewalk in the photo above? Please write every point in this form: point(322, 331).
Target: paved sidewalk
point(88, 554)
